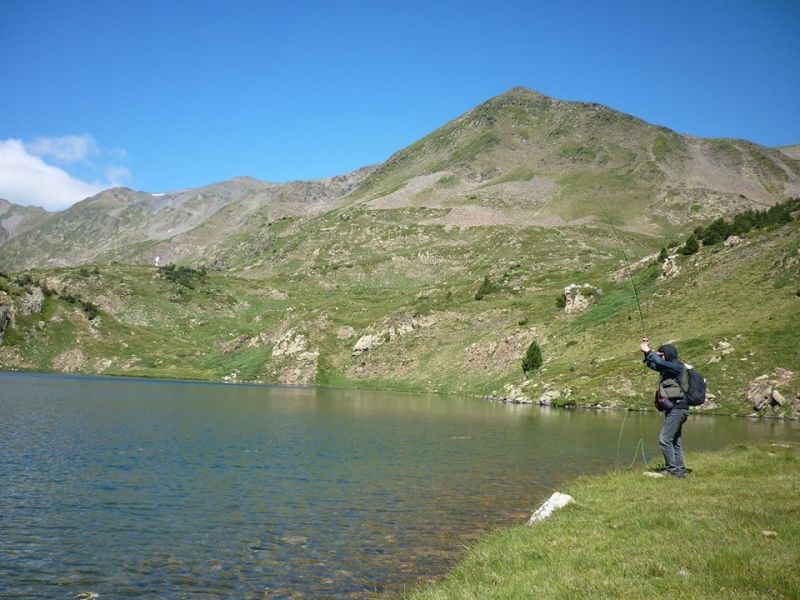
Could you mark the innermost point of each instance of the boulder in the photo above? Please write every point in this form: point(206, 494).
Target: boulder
point(759, 392)
point(725, 347)
point(31, 302)
point(577, 297)
point(556, 501)
point(763, 391)
point(546, 399)
point(733, 240)
point(669, 268)
point(366, 343)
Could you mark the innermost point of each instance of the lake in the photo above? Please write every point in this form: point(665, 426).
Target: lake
point(127, 488)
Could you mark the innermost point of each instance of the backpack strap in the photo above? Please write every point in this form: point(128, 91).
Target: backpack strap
point(683, 378)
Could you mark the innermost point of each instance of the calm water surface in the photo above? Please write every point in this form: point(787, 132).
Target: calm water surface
point(115, 488)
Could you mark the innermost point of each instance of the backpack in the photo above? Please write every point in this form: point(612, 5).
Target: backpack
point(693, 385)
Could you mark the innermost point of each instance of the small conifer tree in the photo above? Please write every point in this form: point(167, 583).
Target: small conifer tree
point(532, 359)
point(691, 246)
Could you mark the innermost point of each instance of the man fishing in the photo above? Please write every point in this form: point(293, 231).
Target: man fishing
point(671, 400)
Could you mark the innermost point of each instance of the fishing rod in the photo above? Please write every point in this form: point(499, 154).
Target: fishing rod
point(593, 197)
point(640, 444)
point(628, 268)
point(558, 194)
point(624, 257)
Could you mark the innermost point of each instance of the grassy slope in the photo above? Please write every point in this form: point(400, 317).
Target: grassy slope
point(323, 297)
point(731, 530)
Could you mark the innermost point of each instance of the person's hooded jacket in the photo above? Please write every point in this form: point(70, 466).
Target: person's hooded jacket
point(669, 368)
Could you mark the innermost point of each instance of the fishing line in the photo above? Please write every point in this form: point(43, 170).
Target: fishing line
point(624, 254)
point(626, 261)
point(640, 444)
point(593, 197)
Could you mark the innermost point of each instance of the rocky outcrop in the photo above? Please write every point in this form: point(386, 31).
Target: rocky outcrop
point(390, 329)
point(29, 303)
point(495, 356)
point(669, 268)
point(6, 314)
point(733, 241)
point(764, 392)
point(70, 361)
point(577, 297)
point(366, 343)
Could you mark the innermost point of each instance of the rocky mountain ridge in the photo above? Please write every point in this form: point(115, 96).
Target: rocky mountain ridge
point(519, 157)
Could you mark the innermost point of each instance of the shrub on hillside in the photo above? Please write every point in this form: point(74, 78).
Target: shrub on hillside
point(691, 246)
point(487, 287)
point(532, 359)
point(181, 275)
point(719, 230)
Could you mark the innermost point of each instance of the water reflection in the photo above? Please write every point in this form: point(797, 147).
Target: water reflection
point(131, 488)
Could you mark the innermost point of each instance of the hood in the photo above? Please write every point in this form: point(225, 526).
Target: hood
point(670, 352)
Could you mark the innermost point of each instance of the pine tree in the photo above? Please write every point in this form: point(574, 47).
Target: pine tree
point(691, 246)
point(532, 359)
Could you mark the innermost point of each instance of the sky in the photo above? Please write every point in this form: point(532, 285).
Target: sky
point(160, 96)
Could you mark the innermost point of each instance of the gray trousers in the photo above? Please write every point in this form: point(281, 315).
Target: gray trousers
point(670, 440)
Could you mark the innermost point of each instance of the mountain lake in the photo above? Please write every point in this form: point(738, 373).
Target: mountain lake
point(131, 488)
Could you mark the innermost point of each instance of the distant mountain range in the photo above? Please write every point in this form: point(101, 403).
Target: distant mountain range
point(519, 158)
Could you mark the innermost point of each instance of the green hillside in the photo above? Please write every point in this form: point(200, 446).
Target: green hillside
point(436, 270)
point(732, 311)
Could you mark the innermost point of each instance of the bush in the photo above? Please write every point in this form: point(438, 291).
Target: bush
point(181, 275)
point(487, 287)
point(691, 246)
point(92, 310)
point(720, 229)
point(532, 359)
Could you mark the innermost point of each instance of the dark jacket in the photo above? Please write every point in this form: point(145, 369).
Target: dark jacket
point(669, 368)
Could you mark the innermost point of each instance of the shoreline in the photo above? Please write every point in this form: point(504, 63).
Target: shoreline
point(732, 532)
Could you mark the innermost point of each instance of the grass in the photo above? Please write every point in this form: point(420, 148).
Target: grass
point(730, 530)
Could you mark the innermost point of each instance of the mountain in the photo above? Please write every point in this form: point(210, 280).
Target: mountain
point(16, 220)
point(528, 219)
point(519, 158)
point(127, 226)
point(793, 151)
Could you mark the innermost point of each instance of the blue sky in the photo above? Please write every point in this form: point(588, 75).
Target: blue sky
point(162, 95)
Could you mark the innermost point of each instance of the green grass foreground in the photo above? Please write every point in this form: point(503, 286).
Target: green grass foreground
point(730, 530)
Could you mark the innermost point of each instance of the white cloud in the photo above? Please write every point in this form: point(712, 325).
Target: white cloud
point(116, 174)
point(66, 149)
point(26, 179)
